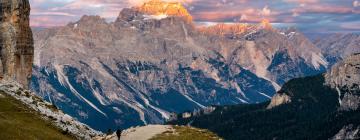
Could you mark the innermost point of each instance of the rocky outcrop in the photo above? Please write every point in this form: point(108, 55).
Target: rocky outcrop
point(161, 8)
point(349, 132)
point(16, 41)
point(345, 77)
point(279, 99)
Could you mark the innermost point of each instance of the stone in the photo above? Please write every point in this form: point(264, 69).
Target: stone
point(279, 99)
point(16, 41)
point(345, 77)
point(158, 7)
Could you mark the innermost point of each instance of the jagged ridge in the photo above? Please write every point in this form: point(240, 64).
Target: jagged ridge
point(159, 7)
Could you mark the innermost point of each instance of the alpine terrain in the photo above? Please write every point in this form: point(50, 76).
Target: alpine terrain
point(154, 61)
point(338, 46)
point(325, 106)
point(24, 115)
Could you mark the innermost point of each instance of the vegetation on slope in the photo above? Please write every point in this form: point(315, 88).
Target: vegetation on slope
point(19, 122)
point(186, 133)
point(312, 114)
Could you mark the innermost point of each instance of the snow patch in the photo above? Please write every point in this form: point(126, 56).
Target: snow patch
point(241, 100)
point(156, 17)
point(65, 81)
point(200, 105)
point(267, 96)
point(339, 93)
point(117, 110)
point(291, 34)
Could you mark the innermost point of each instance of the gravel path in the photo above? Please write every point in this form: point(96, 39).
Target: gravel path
point(142, 133)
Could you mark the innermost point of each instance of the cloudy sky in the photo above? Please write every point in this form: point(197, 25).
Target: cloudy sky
point(307, 15)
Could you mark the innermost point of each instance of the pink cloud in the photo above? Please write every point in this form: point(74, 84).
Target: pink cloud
point(351, 25)
point(302, 1)
point(323, 9)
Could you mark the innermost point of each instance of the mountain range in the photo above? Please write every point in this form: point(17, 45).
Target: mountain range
point(153, 61)
point(338, 46)
point(141, 68)
point(325, 106)
point(155, 65)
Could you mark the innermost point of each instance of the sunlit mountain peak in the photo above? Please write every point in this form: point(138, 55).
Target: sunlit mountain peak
point(158, 7)
point(265, 23)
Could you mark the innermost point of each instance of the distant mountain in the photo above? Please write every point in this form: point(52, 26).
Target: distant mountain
point(336, 47)
point(147, 64)
point(319, 107)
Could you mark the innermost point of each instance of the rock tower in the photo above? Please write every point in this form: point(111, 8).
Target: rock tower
point(16, 41)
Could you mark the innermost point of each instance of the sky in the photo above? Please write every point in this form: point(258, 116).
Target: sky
point(318, 16)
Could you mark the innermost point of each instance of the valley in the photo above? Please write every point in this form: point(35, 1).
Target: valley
point(192, 69)
point(140, 69)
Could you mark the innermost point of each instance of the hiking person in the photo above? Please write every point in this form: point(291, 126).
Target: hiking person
point(118, 133)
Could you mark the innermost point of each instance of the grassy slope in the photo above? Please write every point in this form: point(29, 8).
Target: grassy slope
point(19, 122)
point(186, 133)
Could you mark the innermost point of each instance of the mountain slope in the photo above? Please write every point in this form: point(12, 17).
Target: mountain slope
point(300, 110)
point(336, 47)
point(19, 122)
point(33, 105)
point(142, 68)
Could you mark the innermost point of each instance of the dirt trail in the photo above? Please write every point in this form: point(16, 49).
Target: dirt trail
point(142, 133)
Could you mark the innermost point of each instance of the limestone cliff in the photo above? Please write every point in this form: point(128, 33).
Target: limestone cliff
point(16, 41)
point(345, 77)
point(158, 7)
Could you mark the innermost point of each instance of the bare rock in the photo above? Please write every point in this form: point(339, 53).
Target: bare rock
point(16, 41)
point(345, 77)
point(349, 132)
point(279, 99)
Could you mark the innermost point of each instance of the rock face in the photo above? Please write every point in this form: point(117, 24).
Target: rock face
point(158, 7)
point(279, 99)
point(349, 132)
point(337, 47)
point(16, 41)
point(345, 77)
point(141, 68)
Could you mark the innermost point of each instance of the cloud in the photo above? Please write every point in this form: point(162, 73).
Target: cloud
point(330, 9)
point(266, 11)
point(315, 12)
point(139, 2)
point(351, 25)
point(302, 1)
point(356, 3)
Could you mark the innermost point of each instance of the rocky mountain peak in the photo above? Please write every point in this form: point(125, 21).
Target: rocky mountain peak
point(88, 22)
point(236, 30)
point(223, 29)
point(345, 77)
point(265, 23)
point(91, 19)
point(16, 41)
point(161, 8)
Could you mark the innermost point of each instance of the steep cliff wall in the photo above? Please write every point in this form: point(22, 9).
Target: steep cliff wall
point(16, 41)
